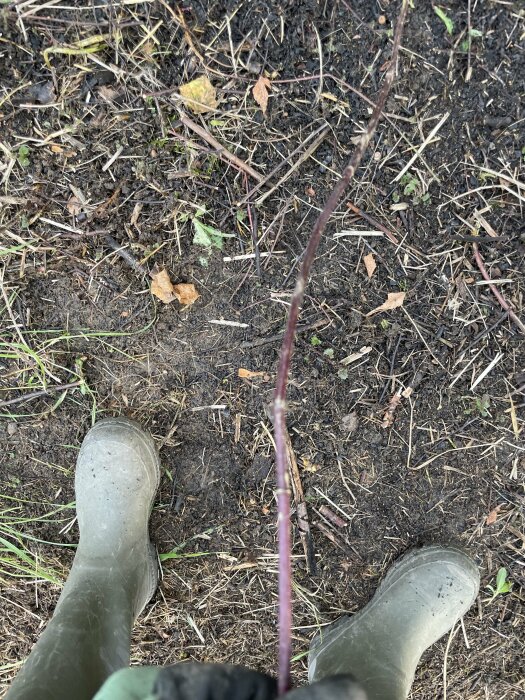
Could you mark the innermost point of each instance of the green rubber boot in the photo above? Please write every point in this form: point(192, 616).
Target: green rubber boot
point(114, 573)
point(420, 599)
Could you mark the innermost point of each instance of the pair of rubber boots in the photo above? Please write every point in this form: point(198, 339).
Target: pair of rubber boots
point(115, 573)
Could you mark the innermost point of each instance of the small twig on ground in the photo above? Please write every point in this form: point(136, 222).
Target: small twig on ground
point(125, 254)
point(101, 211)
point(329, 534)
point(372, 221)
point(283, 493)
point(304, 156)
point(321, 323)
point(504, 303)
point(279, 166)
point(303, 524)
point(36, 394)
point(468, 74)
point(252, 219)
point(221, 151)
point(420, 150)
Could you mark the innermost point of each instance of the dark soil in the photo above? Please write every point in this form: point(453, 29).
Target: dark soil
point(453, 453)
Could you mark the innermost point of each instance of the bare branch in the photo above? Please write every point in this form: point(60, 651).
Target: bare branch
point(283, 486)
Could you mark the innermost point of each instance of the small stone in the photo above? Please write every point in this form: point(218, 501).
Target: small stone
point(350, 422)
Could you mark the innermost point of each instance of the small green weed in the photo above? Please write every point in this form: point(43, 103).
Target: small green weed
point(502, 585)
point(473, 33)
point(205, 235)
point(315, 341)
point(412, 188)
point(481, 405)
point(23, 156)
point(449, 24)
point(410, 183)
point(178, 553)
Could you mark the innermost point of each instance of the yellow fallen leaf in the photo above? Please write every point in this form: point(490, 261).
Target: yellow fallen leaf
point(370, 264)
point(162, 287)
point(186, 293)
point(394, 300)
point(248, 374)
point(199, 95)
point(308, 465)
point(260, 92)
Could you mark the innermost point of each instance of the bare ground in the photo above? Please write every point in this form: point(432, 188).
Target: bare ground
point(100, 171)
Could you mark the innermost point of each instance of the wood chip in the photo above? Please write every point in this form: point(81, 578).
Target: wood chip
point(370, 264)
point(248, 374)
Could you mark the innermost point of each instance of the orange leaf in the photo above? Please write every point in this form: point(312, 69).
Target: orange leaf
point(493, 515)
point(394, 300)
point(186, 293)
point(162, 287)
point(370, 264)
point(260, 92)
point(248, 374)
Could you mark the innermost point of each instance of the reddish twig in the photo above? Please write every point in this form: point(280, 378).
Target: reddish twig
point(283, 490)
point(221, 151)
point(372, 221)
point(504, 303)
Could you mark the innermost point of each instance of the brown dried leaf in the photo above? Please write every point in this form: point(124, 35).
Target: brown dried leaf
point(248, 374)
point(199, 95)
point(394, 300)
point(388, 418)
point(260, 92)
point(74, 206)
point(186, 293)
point(162, 287)
point(493, 515)
point(370, 264)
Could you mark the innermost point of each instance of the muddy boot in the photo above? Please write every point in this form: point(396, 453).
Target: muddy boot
point(114, 573)
point(420, 600)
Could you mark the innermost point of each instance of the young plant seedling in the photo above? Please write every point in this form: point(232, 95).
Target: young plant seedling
point(481, 405)
point(411, 188)
point(502, 585)
point(449, 24)
point(23, 156)
point(473, 33)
